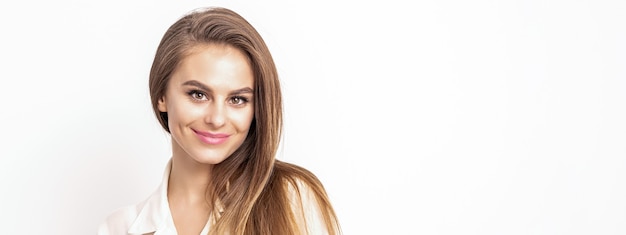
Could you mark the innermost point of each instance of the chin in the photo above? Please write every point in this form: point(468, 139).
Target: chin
point(211, 161)
point(210, 158)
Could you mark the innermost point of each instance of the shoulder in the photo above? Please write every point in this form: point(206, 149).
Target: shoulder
point(143, 217)
point(120, 220)
point(299, 181)
point(308, 199)
point(295, 175)
point(301, 184)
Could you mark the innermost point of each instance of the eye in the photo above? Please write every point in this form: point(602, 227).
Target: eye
point(197, 95)
point(238, 100)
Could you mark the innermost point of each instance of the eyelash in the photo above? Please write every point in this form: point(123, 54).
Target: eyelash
point(194, 93)
point(243, 100)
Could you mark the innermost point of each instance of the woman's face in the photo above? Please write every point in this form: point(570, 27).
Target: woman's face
point(209, 103)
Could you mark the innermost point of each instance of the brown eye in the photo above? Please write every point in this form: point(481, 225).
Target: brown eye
point(197, 95)
point(238, 100)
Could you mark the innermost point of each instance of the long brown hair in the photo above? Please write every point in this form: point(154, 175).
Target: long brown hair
point(251, 192)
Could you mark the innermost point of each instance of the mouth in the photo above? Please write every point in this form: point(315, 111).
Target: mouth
point(211, 138)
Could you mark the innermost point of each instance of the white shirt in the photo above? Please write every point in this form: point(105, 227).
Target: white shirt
point(153, 215)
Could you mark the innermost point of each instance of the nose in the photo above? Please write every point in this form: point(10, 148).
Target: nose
point(215, 114)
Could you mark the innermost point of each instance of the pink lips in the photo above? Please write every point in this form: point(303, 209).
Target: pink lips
point(211, 138)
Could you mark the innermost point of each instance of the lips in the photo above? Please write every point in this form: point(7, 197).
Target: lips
point(211, 138)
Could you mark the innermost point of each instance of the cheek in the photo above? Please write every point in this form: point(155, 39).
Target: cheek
point(180, 112)
point(243, 118)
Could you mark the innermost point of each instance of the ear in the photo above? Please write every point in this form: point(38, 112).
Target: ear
point(162, 105)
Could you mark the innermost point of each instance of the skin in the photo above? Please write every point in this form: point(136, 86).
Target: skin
point(210, 93)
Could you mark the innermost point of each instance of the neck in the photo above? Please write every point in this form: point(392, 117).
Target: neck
point(188, 180)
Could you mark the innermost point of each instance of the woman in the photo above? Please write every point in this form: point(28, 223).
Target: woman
point(215, 89)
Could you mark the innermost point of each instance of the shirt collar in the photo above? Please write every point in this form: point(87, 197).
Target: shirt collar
point(155, 213)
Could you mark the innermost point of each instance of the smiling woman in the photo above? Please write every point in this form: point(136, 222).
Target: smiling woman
point(207, 103)
point(215, 89)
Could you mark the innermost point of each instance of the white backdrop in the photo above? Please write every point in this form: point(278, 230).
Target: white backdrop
point(434, 117)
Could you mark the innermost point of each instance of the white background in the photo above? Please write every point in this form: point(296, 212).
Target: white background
point(430, 117)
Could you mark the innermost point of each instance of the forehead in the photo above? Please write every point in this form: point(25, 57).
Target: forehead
point(215, 64)
point(213, 47)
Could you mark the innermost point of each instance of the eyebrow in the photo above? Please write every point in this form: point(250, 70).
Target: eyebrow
point(206, 88)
